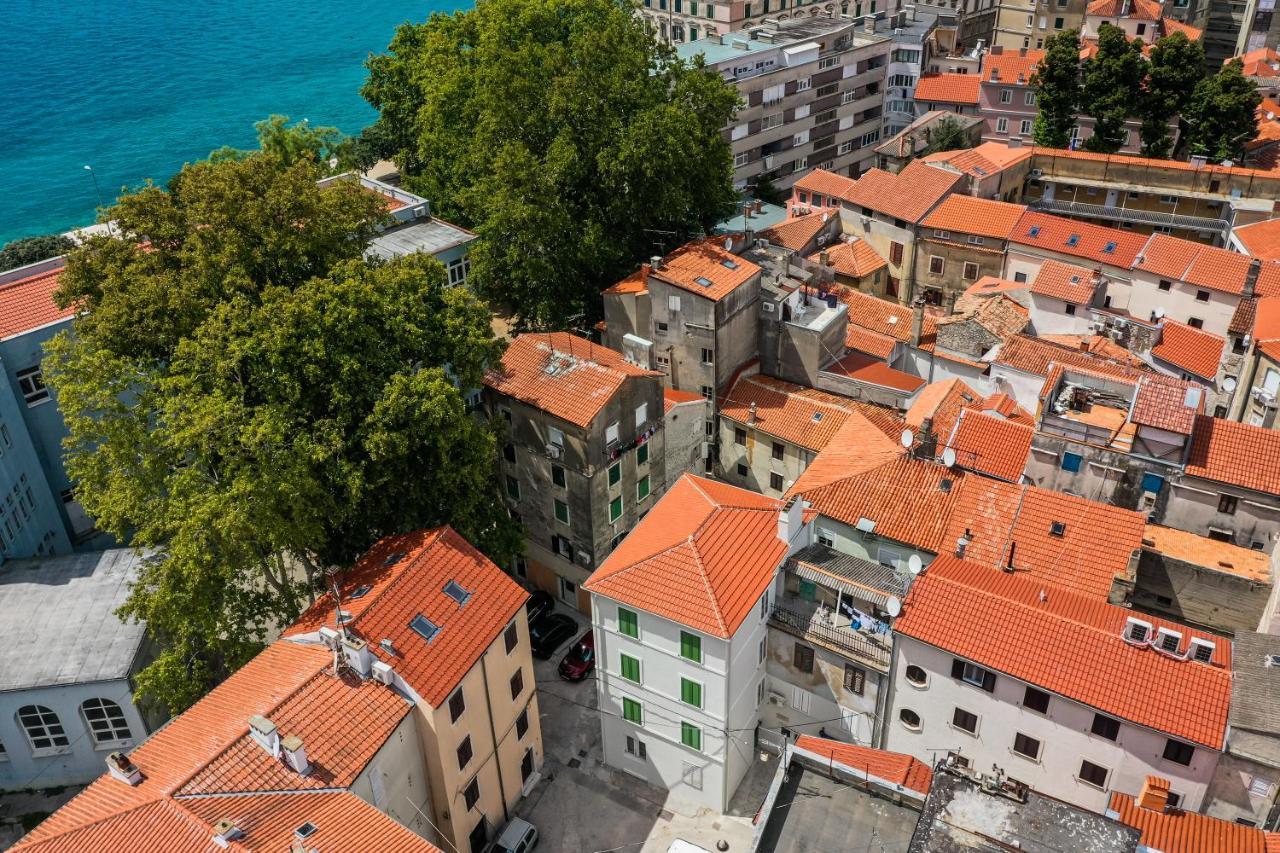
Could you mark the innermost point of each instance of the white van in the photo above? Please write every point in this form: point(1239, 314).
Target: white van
point(519, 836)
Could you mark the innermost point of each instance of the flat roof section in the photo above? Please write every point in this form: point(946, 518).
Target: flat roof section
point(816, 813)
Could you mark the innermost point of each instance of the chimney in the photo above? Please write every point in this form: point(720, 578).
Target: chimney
point(995, 72)
point(1022, 51)
point(1251, 278)
point(746, 211)
point(917, 320)
point(824, 258)
point(644, 273)
point(225, 831)
point(912, 8)
point(1084, 344)
point(119, 765)
point(265, 733)
point(790, 520)
point(358, 655)
point(655, 262)
point(869, 23)
point(295, 755)
point(759, 206)
point(1155, 794)
point(962, 543)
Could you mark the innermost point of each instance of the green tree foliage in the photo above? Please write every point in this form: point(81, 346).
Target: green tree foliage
point(1057, 84)
point(290, 143)
point(1112, 78)
point(946, 135)
point(564, 134)
point(29, 250)
point(1221, 114)
point(253, 398)
point(1173, 69)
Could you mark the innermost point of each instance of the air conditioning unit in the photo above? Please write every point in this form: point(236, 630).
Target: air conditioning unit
point(777, 698)
point(584, 558)
point(1036, 173)
point(822, 239)
point(555, 451)
point(383, 673)
point(767, 307)
point(329, 637)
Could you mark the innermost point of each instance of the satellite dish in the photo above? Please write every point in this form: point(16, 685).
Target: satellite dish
point(1158, 313)
point(1229, 384)
point(915, 564)
point(893, 605)
point(728, 244)
point(824, 216)
point(948, 457)
point(908, 438)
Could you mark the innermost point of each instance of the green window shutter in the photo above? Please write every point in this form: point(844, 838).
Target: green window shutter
point(691, 646)
point(691, 736)
point(642, 488)
point(631, 668)
point(513, 488)
point(627, 622)
point(642, 452)
point(615, 473)
point(615, 509)
point(693, 8)
point(557, 475)
point(691, 693)
point(562, 512)
point(632, 712)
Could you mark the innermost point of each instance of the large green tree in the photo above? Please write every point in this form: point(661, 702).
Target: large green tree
point(1057, 84)
point(29, 250)
point(1221, 115)
point(565, 134)
point(946, 135)
point(1112, 79)
point(251, 397)
point(1174, 68)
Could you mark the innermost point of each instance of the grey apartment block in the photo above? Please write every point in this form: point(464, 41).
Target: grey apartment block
point(812, 92)
point(911, 32)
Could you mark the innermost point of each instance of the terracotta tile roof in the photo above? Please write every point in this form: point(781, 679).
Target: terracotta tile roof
point(1138, 10)
point(991, 445)
point(1099, 345)
point(27, 303)
point(706, 268)
point(981, 216)
point(1242, 318)
point(1263, 62)
point(1193, 350)
point(1007, 407)
point(824, 183)
point(872, 343)
point(1069, 644)
point(1037, 355)
point(794, 413)
point(796, 232)
point(1173, 25)
point(908, 195)
point(702, 557)
point(999, 315)
point(1079, 239)
point(672, 398)
point(864, 368)
point(582, 380)
point(989, 285)
point(1050, 154)
point(1014, 67)
point(637, 282)
point(854, 258)
point(874, 314)
point(1266, 322)
point(406, 575)
point(1194, 263)
point(1167, 403)
point(1063, 281)
point(892, 767)
point(1235, 453)
point(1008, 523)
point(1268, 283)
point(1176, 831)
point(942, 401)
point(1209, 553)
point(948, 88)
point(983, 160)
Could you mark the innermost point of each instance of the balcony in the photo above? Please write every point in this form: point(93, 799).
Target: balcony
point(818, 624)
point(1218, 227)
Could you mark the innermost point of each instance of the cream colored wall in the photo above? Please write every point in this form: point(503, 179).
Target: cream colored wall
point(500, 667)
point(395, 780)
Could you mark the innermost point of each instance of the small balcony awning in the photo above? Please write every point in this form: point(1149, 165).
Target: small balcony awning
point(860, 578)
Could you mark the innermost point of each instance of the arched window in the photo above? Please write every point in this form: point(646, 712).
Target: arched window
point(910, 719)
point(43, 728)
point(105, 720)
point(917, 676)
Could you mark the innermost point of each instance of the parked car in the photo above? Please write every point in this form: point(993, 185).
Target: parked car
point(549, 633)
point(581, 659)
point(519, 836)
point(539, 604)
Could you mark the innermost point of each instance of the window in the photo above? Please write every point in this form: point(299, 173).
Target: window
point(1025, 127)
point(970, 271)
point(1026, 746)
point(824, 91)
point(615, 509)
point(1174, 800)
point(1195, 322)
point(742, 469)
point(630, 668)
point(1259, 787)
point(690, 647)
point(632, 711)
point(642, 416)
point(636, 747)
point(557, 475)
point(458, 269)
point(464, 752)
point(511, 637)
point(43, 728)
point(936, 265)
point(1006, 96)
point(973, 674)
point(1227, 504)
point(628, 623)
point(1057, 23)
point(562, 511)
point(1002, 125)
point(691, 693)
point(708, 392)
point(895, 253)
point(775, 481)
point(513, 488)
point(1071, 462)
point(708, 356)
point(509, 452)
point(855, 679)
point(802, 658)
point(826, 537)
point(1202, 296)
point(917, 676)
point(1092, 774)
point(105, 720)
point(1071, 310)
point(965, 721)
point(642, 488)
point(739, 436)
point(457, 704)
point(471, 796)
point(691, 735)
point(661, 328)
point(31, 383)
point(562, 546)
point(779, 450)
point(802, 85)
point(910, 719)
point(517, 684)
point(1030, 99)
point(1165, 285)
point(642, 454)
point(1178, 752)
point(1036, 700)
point(740, 160)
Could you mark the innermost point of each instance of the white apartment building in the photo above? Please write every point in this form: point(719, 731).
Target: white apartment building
point(681, 615)
point(1072, 696)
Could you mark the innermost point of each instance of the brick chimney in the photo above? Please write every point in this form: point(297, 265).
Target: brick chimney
point(1154, 795)
point(644, 272)
point(917, 321)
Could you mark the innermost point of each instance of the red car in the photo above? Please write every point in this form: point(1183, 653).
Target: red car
point(581, 659)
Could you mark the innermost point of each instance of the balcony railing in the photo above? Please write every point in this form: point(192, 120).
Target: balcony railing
point(812, 625)
point(1126, 214)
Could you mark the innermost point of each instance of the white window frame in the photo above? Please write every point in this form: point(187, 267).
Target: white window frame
point(31, 383)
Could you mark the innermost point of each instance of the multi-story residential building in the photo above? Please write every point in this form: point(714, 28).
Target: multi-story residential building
point(1166, 826)
point(442, 627)
point(584, 453)
point(952, 92)
point(962, 240)
point(1184, 281)
point(813, 92)
point(1006, 98)
point(1040, 237)
point(1195, 355)
point(1230, 485)
point(681, 615)
point(688, 20)
point(914, 32)
point(1014, 24)
point(1090, 700)
point(66, 696)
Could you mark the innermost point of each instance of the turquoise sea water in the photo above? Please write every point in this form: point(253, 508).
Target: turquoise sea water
point(138, 87)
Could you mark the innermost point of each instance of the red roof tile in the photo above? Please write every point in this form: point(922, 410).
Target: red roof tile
point(1194, 263)
point(984, 160)
point(948, 88)
point(824, 183)
point(702, 557)
point(797, 232)
point(1167, 403)
point(1176, 831)
point(872, 343)
point(1006, 406)
point(406, 576)
point(1266, 322)
point(1193, 350)
point(875, 314)
point(562, 374)
point(672, 398)
point(1069, 644)
point(1067, 282)
point(1263, 62)
point(1138, 10)
point(908, 195)
point(941, 402)
point(1055, 234)
point(981, 216)
point(27, 303)
point(1051, 154)
point(891, 767)
point(706, 268)
point(637, 282)
point(1099, 345)
point(1011, 67)
point(854, 258)
point(864, 368)
point(991, 445)
point(1037, 355)
point(794, 413)
point(1235, 453)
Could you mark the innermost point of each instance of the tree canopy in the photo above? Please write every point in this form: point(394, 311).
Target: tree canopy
point(29, 250)
point(1173, 69)
point(329, 148)
point(256, 400)
point(1057, 83)
point(1221, 114)
point(946, 135)
point(562, 132)
point(1112, 79)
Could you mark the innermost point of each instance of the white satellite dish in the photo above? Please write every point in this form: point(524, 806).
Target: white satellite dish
point(893, 606)
point(948, 457)
point(728, 244)
point(915, 564)
point(908, 438)
point(1229, 384)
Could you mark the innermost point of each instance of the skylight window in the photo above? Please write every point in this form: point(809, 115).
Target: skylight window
point(1034, 232)
point(455, 591)
point(424, 626)
point(1058, 528)
point(945, 484)
point(1109, 248)
point(1073, 240)
point(360, 591)
point(705, 282)
point(305, 831)
point(392, 559)
point(1075, 279)
point(817, 417)
point(729, 263)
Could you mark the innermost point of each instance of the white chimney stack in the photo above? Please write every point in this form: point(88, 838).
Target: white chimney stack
point(295, 755)
point(265, 733)
point(790, 522)
point(225, 831)
point(358, 655)
point(119, 765)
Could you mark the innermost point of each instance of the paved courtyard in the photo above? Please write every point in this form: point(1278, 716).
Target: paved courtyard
point(582, 806)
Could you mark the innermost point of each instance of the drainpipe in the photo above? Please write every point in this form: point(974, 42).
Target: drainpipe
point(493, 733)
